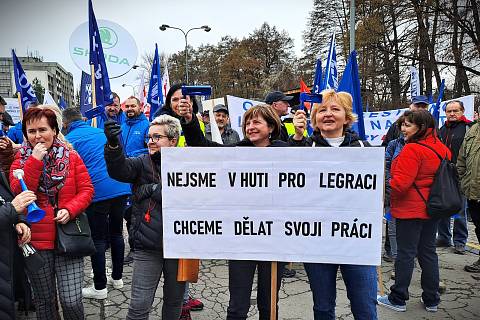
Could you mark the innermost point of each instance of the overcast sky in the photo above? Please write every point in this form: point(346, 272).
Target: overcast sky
point(46, 25)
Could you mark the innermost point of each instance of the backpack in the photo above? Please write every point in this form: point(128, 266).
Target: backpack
point(445, 198)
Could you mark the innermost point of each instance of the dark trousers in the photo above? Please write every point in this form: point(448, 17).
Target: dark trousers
point(240, 281)
point(106, 222)
point(474, 210)
point(128, 218)
point(416, 238)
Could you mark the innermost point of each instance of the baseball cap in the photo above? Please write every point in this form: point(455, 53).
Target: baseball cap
point(220, 107)
point(420, 100)
point(275, 96)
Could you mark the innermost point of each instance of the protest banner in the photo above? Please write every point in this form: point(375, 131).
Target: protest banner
point(13, 109)
point(236, 108)
point(273, 204)
point(377, 123)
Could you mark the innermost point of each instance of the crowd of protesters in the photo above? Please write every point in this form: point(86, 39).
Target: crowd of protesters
point(112, 173)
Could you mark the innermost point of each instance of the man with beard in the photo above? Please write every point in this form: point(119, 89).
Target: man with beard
point(229, 136)
point(134, 129)
point(113, 112)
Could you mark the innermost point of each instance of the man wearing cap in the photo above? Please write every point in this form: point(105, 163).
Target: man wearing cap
point(280, 103)
point(229, 135)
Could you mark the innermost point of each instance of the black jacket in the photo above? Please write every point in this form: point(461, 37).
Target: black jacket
point(143, 173)
point(351, 140)
point(8, 248)
point(195, 138)
point(452, 134)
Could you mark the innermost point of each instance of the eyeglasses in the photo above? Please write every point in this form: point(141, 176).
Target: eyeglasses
point(155, 138)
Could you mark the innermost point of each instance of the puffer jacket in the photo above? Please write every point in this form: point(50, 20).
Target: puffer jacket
point(143, 173)
point(134, 132)
point(89, 142)
point(468, 163)
point(75, 195)
point(417, 165)
point(392, 151)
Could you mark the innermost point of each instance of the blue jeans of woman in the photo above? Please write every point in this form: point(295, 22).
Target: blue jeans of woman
point(361, 283)
point(416, 238)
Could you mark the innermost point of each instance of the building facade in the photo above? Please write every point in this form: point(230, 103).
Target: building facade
point(50, 75)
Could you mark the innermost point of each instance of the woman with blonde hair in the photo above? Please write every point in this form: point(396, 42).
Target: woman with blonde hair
point(331, 121)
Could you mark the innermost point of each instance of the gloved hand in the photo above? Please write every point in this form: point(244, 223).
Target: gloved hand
point(112, 130)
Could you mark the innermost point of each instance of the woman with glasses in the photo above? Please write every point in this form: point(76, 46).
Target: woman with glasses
point(143, 173)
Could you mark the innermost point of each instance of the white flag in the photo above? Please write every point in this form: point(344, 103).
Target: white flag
point(414, 83)
point(216, 136)
point(48, 99)
point(165, 80)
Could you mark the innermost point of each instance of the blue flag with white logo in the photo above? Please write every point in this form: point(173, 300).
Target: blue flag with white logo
point(318, 77)
point(103, 94)
point(62, 104)
point(351, 83)
point(23, 86)
point(85, 93)
point(155, 94)
point(331, 75)
point(436, 108)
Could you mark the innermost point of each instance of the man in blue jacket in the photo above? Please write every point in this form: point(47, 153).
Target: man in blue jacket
point(105, 213)
point(113, 111)
point(134, 129)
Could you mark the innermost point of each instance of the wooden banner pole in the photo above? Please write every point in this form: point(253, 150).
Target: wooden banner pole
point(273, 292)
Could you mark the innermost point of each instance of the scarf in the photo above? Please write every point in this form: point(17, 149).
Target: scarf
point(55, 166)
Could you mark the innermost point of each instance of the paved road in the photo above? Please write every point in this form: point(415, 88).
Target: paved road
point(461, 300)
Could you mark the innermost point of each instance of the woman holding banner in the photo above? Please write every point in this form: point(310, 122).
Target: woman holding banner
point(415, 167)
point(261, 127)
point(331, 121)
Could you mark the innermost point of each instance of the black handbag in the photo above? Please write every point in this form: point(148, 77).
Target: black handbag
point(74, 238)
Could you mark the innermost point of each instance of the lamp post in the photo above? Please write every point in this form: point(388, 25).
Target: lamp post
point(129, 85)
point(206, 28)
point(133, 67)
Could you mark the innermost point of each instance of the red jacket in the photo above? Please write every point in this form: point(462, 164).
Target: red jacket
point(415, 164)
point(75, 195)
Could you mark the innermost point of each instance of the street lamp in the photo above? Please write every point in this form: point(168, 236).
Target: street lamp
point(133, 67)
point(206, 28)
point(129, 85)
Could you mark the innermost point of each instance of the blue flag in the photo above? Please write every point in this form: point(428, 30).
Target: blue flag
point(436, 108)
point(85, 93)
point(155, 94)
point(103, 94)
point(331, 75)
point(62, 104)
point(351, 83)
point(318, 77)
point(23, 86)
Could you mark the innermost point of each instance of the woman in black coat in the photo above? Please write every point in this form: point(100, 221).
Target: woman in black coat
point(261, 128)
point(13, 229)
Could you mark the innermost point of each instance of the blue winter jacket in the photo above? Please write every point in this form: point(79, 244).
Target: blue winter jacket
point(134, 132)
point(89, 143)
point(15, 133)
point(392, 151)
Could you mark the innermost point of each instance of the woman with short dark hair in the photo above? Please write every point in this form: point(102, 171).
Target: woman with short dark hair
point(412, 174)
point(59, 179)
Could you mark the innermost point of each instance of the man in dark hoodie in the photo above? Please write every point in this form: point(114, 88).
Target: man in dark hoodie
point(452, 134)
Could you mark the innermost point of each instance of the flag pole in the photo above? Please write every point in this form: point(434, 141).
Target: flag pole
point(19, 98)
point(94, 98)
point(273, 291)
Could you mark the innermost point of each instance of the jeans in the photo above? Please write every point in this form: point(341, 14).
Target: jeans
point(361, 283)
point(460, 231)
point(240, 281)
point(474, 210)
point(416, 238)
point(148, 267)
point(106, 223)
